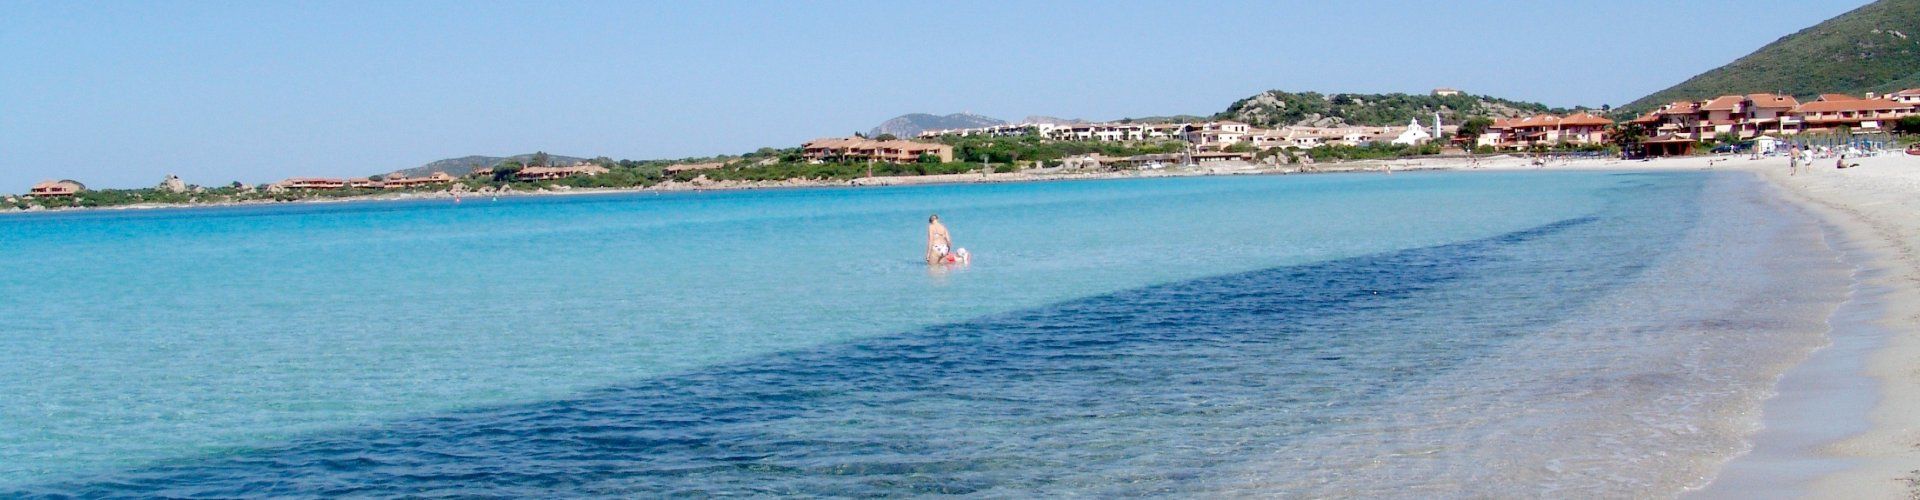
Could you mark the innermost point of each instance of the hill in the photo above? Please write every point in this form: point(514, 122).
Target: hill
point(460, 166)
point(910, 125)
point(1275, 108)
point(1875, 48)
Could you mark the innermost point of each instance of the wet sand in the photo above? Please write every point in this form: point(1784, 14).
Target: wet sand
point(1846, 423)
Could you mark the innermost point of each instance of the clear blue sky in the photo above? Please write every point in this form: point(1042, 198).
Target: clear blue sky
point(117, 94)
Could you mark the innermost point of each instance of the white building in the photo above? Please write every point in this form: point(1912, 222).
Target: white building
point(1413, 135)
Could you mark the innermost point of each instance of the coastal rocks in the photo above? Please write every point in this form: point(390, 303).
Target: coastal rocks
point(172, 184)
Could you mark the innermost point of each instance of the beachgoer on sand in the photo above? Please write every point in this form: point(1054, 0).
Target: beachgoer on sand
point(1793, 160)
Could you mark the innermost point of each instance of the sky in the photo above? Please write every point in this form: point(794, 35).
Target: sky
point(121, 93)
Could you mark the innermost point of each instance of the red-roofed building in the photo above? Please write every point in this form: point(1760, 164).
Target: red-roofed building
point(1546, 130)
point(56, 189)
point(1908, 96)
point(1861, 114)
point(857, 150)
point(1770, 113)
point(312, 183)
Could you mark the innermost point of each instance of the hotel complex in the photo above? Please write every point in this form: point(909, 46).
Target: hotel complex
point(1740, 116)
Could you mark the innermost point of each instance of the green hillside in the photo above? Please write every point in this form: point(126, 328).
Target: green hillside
point(1875, 48)
point(1275, 108)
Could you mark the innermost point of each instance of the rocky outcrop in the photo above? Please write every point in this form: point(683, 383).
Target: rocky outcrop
point(172, 184)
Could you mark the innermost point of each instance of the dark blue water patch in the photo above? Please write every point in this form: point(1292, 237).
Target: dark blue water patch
point(1154, 390)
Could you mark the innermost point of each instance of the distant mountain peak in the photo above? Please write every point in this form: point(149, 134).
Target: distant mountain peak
point(909, 125)
point(1053, 120)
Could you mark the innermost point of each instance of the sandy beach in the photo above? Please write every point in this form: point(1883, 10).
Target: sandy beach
point(1875, 209)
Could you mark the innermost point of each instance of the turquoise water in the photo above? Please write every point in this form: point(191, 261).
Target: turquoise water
point(792, 342)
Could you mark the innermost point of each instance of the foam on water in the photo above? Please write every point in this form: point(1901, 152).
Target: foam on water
point(1335, 334)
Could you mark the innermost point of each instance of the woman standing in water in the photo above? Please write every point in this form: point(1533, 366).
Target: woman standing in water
point(940, 248)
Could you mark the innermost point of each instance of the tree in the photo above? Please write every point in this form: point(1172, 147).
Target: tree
point(505, 171)
point(1627, 135)
point(1907, 125)
point(376, 178)
point(1470, 131)
point(886, 137)
point(540, 159)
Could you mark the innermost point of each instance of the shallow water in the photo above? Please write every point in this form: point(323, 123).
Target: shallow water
point(1329, 334)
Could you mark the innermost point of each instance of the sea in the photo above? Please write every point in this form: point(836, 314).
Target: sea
point(1477, 334)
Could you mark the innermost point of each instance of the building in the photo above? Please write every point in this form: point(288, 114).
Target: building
point(1413, 135)
point(1908, 96)
point(1444, 92)
point(1770, 113)
point(398, 180)
point(1546, 130)
point(554, 173)
point(1720, 115)
point(312, 183)
point(63, 188)
point(856, 149)
point(1833, 111)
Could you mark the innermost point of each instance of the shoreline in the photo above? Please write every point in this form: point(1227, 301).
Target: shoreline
point(1360, 166)
point(1873, 207)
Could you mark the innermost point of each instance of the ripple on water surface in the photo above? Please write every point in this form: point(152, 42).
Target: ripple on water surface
point(1292, 378)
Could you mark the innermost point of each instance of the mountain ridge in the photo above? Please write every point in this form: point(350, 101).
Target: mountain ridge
point(1874, 48)
point(460, 166)
point(911, 124)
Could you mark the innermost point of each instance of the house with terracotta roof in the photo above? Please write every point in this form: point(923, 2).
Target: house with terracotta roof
point(1580, 128)
point(1908, 96)
point(855, 149)
point(1720, 115)
point(401, 181)
point(63, 188)
point(1680, 118)
point(1855, 113)
point(316, 183)
point(1216, 139)
point(554, 173)
point(1770, 113)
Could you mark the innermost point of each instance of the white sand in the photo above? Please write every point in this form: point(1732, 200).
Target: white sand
point(1876, 206)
